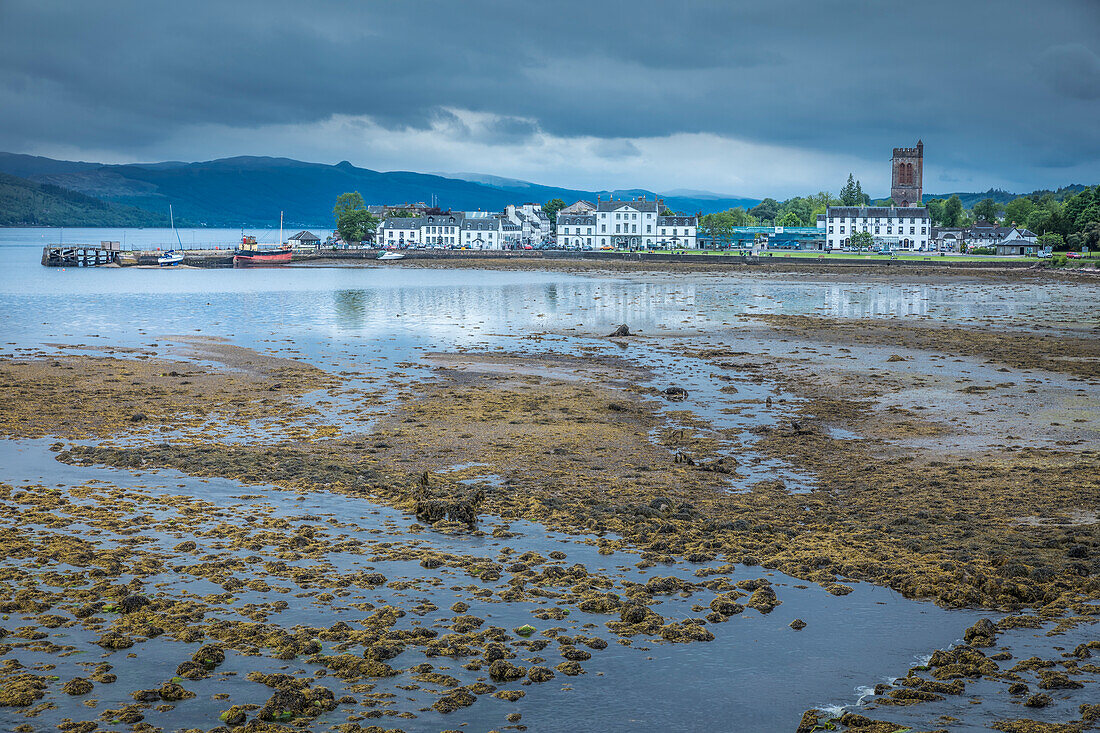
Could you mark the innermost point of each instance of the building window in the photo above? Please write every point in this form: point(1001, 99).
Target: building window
point(912, 230)
point(830, 230)
point(648, 228)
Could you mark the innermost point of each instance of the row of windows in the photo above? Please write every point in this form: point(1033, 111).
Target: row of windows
point(889, 230)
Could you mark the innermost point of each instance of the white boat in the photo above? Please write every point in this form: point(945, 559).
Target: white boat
point(391, 256)
point(168, 259)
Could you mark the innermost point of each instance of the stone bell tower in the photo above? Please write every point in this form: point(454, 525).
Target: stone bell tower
point(907, 168)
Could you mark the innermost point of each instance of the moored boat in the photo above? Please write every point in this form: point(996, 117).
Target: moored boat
point(170, 258)
point(391, 256)
point(250, 255)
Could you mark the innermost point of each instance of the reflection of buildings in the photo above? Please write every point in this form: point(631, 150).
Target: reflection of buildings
point(453, 311)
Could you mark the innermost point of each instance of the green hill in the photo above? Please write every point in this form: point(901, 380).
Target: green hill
point(27, 203)
point(253, 190)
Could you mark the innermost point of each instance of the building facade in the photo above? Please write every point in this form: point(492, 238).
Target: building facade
point(576, 231)
point(891, 227)
point(628, 224)
point(452, 230)
point(907, 176)
point(534, 224)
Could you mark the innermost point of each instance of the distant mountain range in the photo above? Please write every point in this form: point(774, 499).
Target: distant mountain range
point(1001, 197)
point(26, 203)
point(251, 191)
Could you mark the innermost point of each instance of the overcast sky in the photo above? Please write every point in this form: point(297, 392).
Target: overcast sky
point(773, 98)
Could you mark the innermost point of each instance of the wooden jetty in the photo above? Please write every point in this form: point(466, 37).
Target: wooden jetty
point(81, 255)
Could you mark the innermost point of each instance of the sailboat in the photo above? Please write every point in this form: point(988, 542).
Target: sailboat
point(171, 257)
point(249, 253)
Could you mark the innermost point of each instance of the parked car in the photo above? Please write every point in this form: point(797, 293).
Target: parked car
point(1073, 255)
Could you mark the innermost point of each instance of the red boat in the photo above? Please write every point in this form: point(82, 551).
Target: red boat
point(249, 254)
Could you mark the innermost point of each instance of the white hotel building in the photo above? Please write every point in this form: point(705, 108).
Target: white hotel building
point(899, 228)
point(634, 224)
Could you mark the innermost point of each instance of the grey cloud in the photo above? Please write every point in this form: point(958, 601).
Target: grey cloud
point(854, 78)
point(615, 149)
point(1072, 69)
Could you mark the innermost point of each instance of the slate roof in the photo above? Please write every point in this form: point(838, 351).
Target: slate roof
point(304, 236)
point(636, 205)
point(481, 224)
point(576, 219)
point(397, 222)
point(676, 221)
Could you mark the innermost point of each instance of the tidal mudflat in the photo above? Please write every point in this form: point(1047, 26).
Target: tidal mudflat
point(421, 499)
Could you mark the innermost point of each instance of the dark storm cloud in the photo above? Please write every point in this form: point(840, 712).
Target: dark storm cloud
point(990, 86)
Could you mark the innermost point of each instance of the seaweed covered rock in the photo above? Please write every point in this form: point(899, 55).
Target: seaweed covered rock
point(297, 700)
point(77, 686)
point(1049, 680)
point(726, 604)
point(233, 716)
point(540, 674)
point(209, 655)
point(809, 722)
point(113, 640)
point(1040, 700)
point(685, 631)
point(502, 670)
point(571, 669)
point(454, 700)
point(764, 599)
point(983, 633)
point(132, 603)
point(22, 689)
point(633, 614)
point(172, 692)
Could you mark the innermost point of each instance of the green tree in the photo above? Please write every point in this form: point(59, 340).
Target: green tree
point(1088, 215)
point(935, 211)
point(353, 222)
point(1053, 240)
point(766, 210)
point(551, 209)
point(790, 219)
point(718, 226)
point(986, 210)
point(860, 240)
point(1039, 221)
point(1018, 210)
point(862, 198)
point(952, 211)
point(848, 192)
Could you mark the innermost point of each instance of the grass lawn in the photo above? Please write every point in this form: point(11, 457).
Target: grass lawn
point(852, 256)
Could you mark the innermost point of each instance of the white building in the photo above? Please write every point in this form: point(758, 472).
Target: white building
point(576, 231)
point(453, 230)
point(399, 232)
point(676, 232)
point(533, 222)
point(632, 224)
point(907, 228)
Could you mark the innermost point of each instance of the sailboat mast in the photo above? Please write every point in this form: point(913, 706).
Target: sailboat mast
point(280, 229)
point(172, 218)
